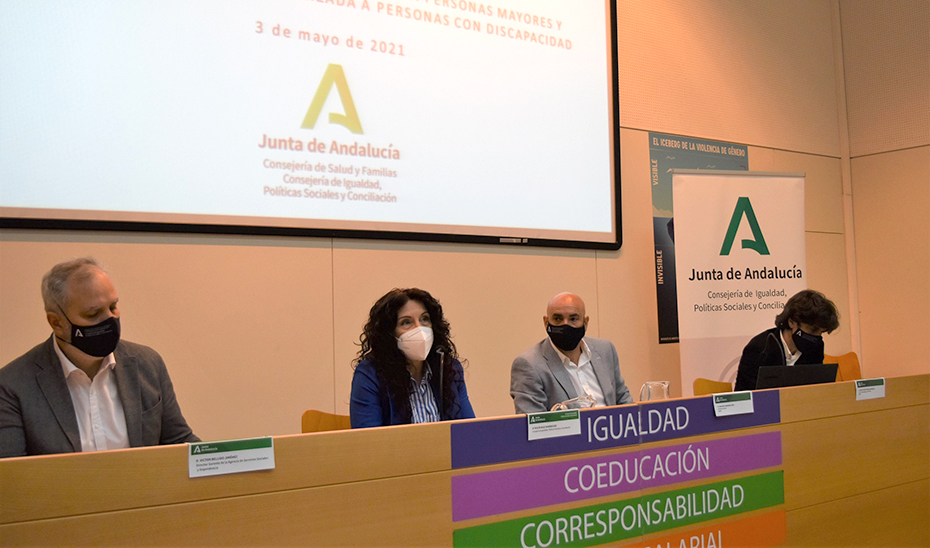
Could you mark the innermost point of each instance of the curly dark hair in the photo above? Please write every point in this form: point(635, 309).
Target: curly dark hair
point(379, 346)
point(810, 307)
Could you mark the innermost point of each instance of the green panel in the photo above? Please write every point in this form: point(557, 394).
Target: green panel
point(630, 518)
point(225, 446)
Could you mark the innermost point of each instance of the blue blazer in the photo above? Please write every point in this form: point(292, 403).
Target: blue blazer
point(370, 403)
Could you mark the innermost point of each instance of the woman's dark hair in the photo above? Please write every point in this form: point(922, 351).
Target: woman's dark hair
point(810, 307)
point(379, 346)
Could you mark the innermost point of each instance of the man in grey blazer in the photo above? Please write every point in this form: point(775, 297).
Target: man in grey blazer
point(84, 389)
point(566, 364)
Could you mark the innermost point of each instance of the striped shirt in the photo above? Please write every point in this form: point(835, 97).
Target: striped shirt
point(422, 403)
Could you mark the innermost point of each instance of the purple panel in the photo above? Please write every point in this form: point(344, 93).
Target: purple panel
point(504, 440)
point(496, 492)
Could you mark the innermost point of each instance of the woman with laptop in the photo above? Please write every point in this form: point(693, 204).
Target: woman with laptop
point(408, 369)
point(796, 339)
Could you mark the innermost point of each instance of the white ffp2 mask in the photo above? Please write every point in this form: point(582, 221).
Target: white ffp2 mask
point(416, 343)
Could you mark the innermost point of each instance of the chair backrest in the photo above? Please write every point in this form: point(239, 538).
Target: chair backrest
point(707, 386)
point(849, 366)
point(319, 421)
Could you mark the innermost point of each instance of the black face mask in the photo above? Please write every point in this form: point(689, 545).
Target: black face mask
point(565, 337)
point(808, 344)
point(95, 340)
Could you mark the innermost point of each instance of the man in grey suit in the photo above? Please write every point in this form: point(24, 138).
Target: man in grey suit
point(84, 389)
point(566, 364)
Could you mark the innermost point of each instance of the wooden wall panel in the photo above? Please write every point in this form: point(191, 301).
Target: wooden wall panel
point(66, 485)
point(406, 511)
point(853, 454)
point(896, 516)
point(834, 399)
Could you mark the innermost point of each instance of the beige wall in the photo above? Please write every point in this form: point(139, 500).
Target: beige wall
point(758, 72)
point(886, 57)
point(257, 329)
point(892, 198)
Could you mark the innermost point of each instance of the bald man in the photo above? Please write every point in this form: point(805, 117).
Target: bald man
point(84, 389)
point(566, 364)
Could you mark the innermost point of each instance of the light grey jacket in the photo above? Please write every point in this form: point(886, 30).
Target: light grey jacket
point(538, 380)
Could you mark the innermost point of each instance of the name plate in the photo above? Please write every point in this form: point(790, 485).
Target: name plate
point(553, 424)
point(870, 389)
point(733, 403)
point(230, 457)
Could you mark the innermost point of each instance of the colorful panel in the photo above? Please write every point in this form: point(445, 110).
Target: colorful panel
point(500, 491)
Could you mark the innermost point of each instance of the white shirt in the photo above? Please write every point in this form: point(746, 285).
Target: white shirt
point(582, 374)
point(97, 407)
point(790, 359)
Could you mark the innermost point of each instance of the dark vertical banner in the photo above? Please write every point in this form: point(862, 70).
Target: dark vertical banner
point(667, 152)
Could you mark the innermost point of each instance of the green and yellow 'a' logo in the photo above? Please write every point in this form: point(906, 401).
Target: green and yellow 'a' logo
point(333, 76)
point(744, 208)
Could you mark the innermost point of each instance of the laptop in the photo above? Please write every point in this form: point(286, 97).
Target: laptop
point(779, 376)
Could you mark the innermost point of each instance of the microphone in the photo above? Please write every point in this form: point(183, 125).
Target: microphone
point(781, 348)
point(442, 358)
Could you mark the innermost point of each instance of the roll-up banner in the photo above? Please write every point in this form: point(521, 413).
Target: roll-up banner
point(740, 255)
point(666, 154)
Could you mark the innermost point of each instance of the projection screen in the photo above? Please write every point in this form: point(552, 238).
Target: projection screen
point(432, 120)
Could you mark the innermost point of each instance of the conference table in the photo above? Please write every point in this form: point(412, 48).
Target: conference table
point(808, 466)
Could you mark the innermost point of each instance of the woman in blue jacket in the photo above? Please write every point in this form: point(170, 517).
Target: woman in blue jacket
point(407, 370)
